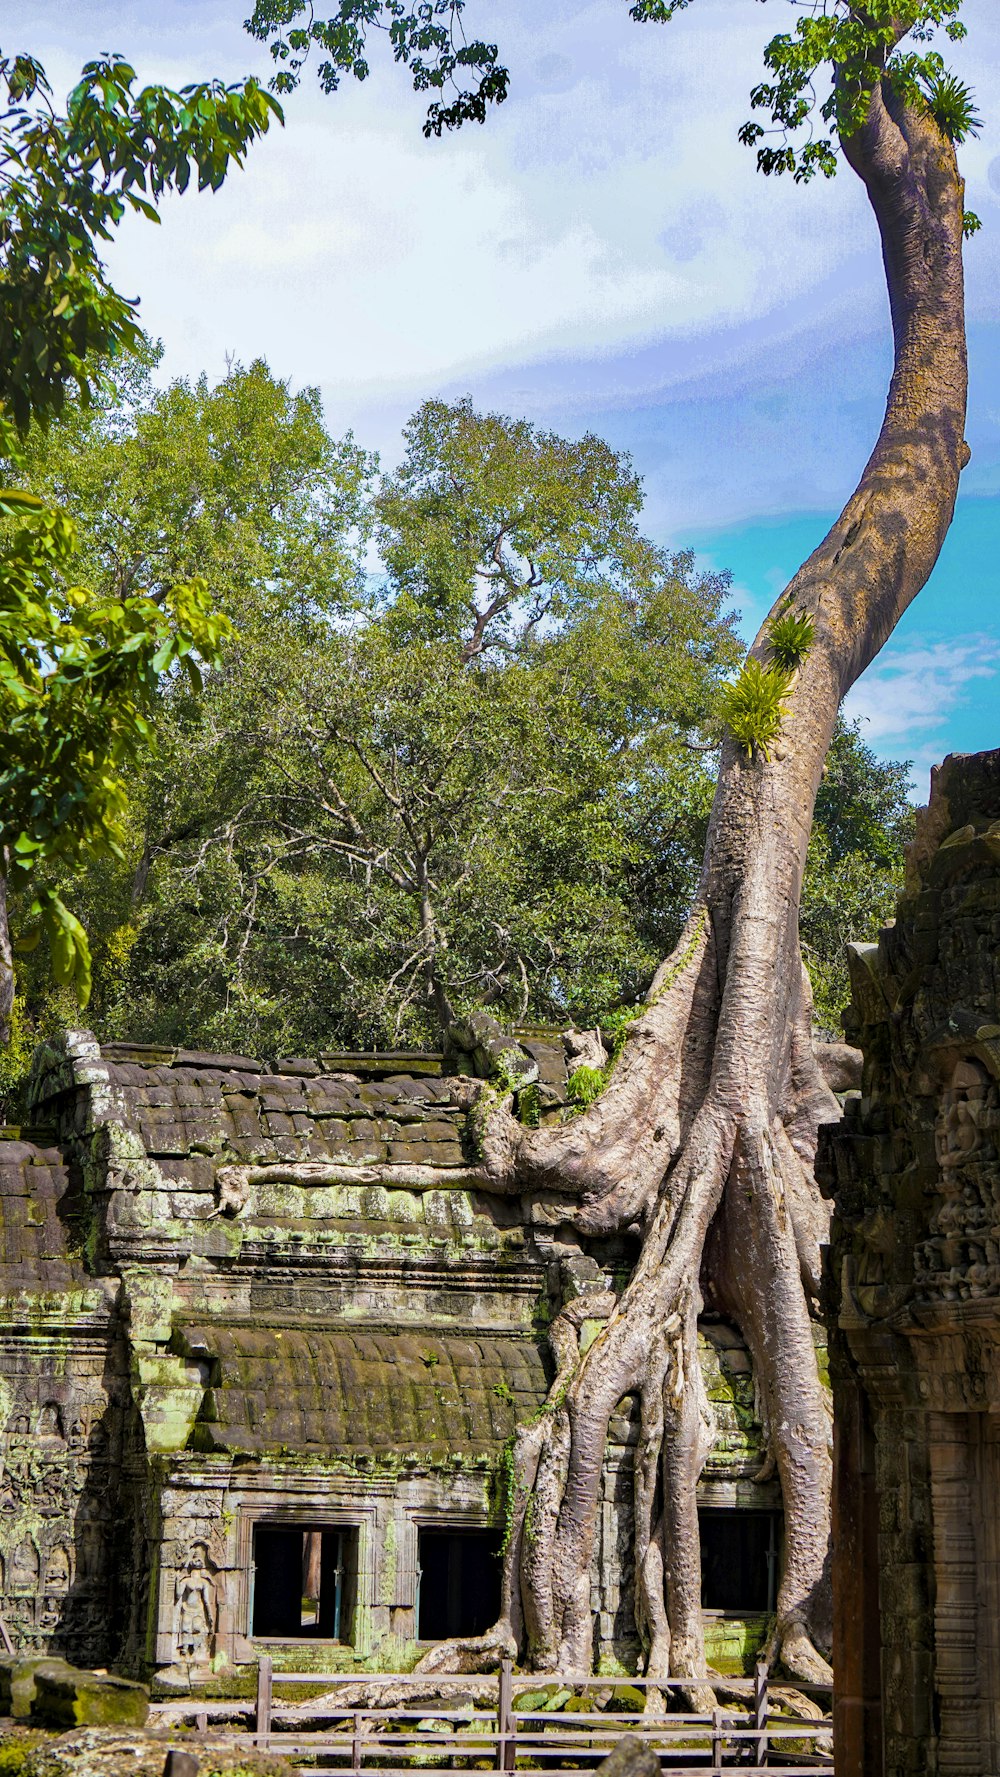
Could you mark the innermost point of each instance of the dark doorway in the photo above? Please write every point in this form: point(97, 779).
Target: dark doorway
point(739, 1560)
point(458, 1588)
point(304, 1581)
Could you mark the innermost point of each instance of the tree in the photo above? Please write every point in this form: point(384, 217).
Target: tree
point(862, 821)
point(399, 795)
point(78, 674)
point(704, 1135)
point(554, 759)
point(240, 487)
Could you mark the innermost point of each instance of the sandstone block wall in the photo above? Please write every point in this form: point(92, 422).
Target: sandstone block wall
point(210, 1329)
point(914, 1292)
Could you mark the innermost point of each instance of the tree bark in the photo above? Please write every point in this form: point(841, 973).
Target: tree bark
point(705, 1134)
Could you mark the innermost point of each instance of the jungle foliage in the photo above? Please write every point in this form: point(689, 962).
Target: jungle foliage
point(479, 775)
point(80, 669)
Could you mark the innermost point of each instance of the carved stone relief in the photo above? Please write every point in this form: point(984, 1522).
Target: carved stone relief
point(196, 1608)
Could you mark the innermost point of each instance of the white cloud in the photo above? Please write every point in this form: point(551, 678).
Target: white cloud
point(912, 691)
point(602, 246)
point(606, 204)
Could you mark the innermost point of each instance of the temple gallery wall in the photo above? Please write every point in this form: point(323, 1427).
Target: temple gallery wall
point(242, 1410)
point(914, 1298)
point(248, 1405)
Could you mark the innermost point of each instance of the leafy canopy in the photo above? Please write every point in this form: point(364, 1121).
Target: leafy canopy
point(466, 776)
point(860, 46)
point(66, 182)
point(428, 39)
point(79, 673)
point(354, 766)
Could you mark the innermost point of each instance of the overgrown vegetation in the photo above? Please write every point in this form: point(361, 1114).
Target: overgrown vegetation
point(789, 637)
point(753, 707)
point(450, 785)
point(79, 670)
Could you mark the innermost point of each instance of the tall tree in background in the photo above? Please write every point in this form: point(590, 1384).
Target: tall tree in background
point(400, 795)
point(478, 778)
point(704, 1135)
point(80, 672)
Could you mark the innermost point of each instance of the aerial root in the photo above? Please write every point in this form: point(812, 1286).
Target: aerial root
point(769, 1303)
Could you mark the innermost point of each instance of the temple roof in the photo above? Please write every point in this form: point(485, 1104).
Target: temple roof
point(327, 1392)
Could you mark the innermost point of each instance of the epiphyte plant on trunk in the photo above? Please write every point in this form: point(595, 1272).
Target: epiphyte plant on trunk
point(703, 1138)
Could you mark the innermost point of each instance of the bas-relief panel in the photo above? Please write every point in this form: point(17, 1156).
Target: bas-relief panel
point(58, 1460)
point(914, 1171)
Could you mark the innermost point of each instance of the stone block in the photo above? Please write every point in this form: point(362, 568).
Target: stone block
point(67, 1698)
point(17, 1682)
point(197, 1058)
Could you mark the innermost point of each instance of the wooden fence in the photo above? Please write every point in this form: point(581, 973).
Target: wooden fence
point(392, 1740)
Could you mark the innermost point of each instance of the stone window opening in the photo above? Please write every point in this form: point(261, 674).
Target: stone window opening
point(458, 1581)
point(740, 1561)
point(303, 1582)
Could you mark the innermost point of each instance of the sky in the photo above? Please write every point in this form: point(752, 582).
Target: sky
point(600, 255)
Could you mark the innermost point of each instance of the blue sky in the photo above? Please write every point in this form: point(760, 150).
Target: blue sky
point(602, 254)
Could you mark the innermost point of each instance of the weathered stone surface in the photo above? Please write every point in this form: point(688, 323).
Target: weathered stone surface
point(199, 1339)
point(67, 1698)
point(914, 1298)
point(18, 1680)
point(630, 1757)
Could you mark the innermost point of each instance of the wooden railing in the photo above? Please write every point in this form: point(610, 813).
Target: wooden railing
point(392, 1740)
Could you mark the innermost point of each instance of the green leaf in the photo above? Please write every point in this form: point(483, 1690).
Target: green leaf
point(19, 500)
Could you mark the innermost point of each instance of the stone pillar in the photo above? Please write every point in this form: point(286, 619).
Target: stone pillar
point(857, 1643)
point(913, 1292)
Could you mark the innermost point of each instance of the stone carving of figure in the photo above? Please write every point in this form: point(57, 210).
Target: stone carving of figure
point(24, 1566)
point(195, 1606)
point(50, 1491)
point(57, 1573)
point(90, 1537)
point(50, 1423)
point(958, 1136)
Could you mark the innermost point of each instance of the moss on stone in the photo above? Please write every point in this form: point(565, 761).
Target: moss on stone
point(66, 1698)
point(732, 1643)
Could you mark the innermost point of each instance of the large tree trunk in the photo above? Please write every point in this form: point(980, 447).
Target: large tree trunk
point(702, 1142)
point(708, 1123)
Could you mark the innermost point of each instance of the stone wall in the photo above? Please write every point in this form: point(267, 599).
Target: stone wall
point(914, 1290)
point(211, 1329)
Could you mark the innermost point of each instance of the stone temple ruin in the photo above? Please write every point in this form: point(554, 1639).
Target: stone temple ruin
point(246, 1406)
point(243, 1412)
point(914, 1295)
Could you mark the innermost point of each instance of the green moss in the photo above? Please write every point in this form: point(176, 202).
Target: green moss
point(24, 1754)
point(732, 1643)
point(387, 1590)
point(502, 1491)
